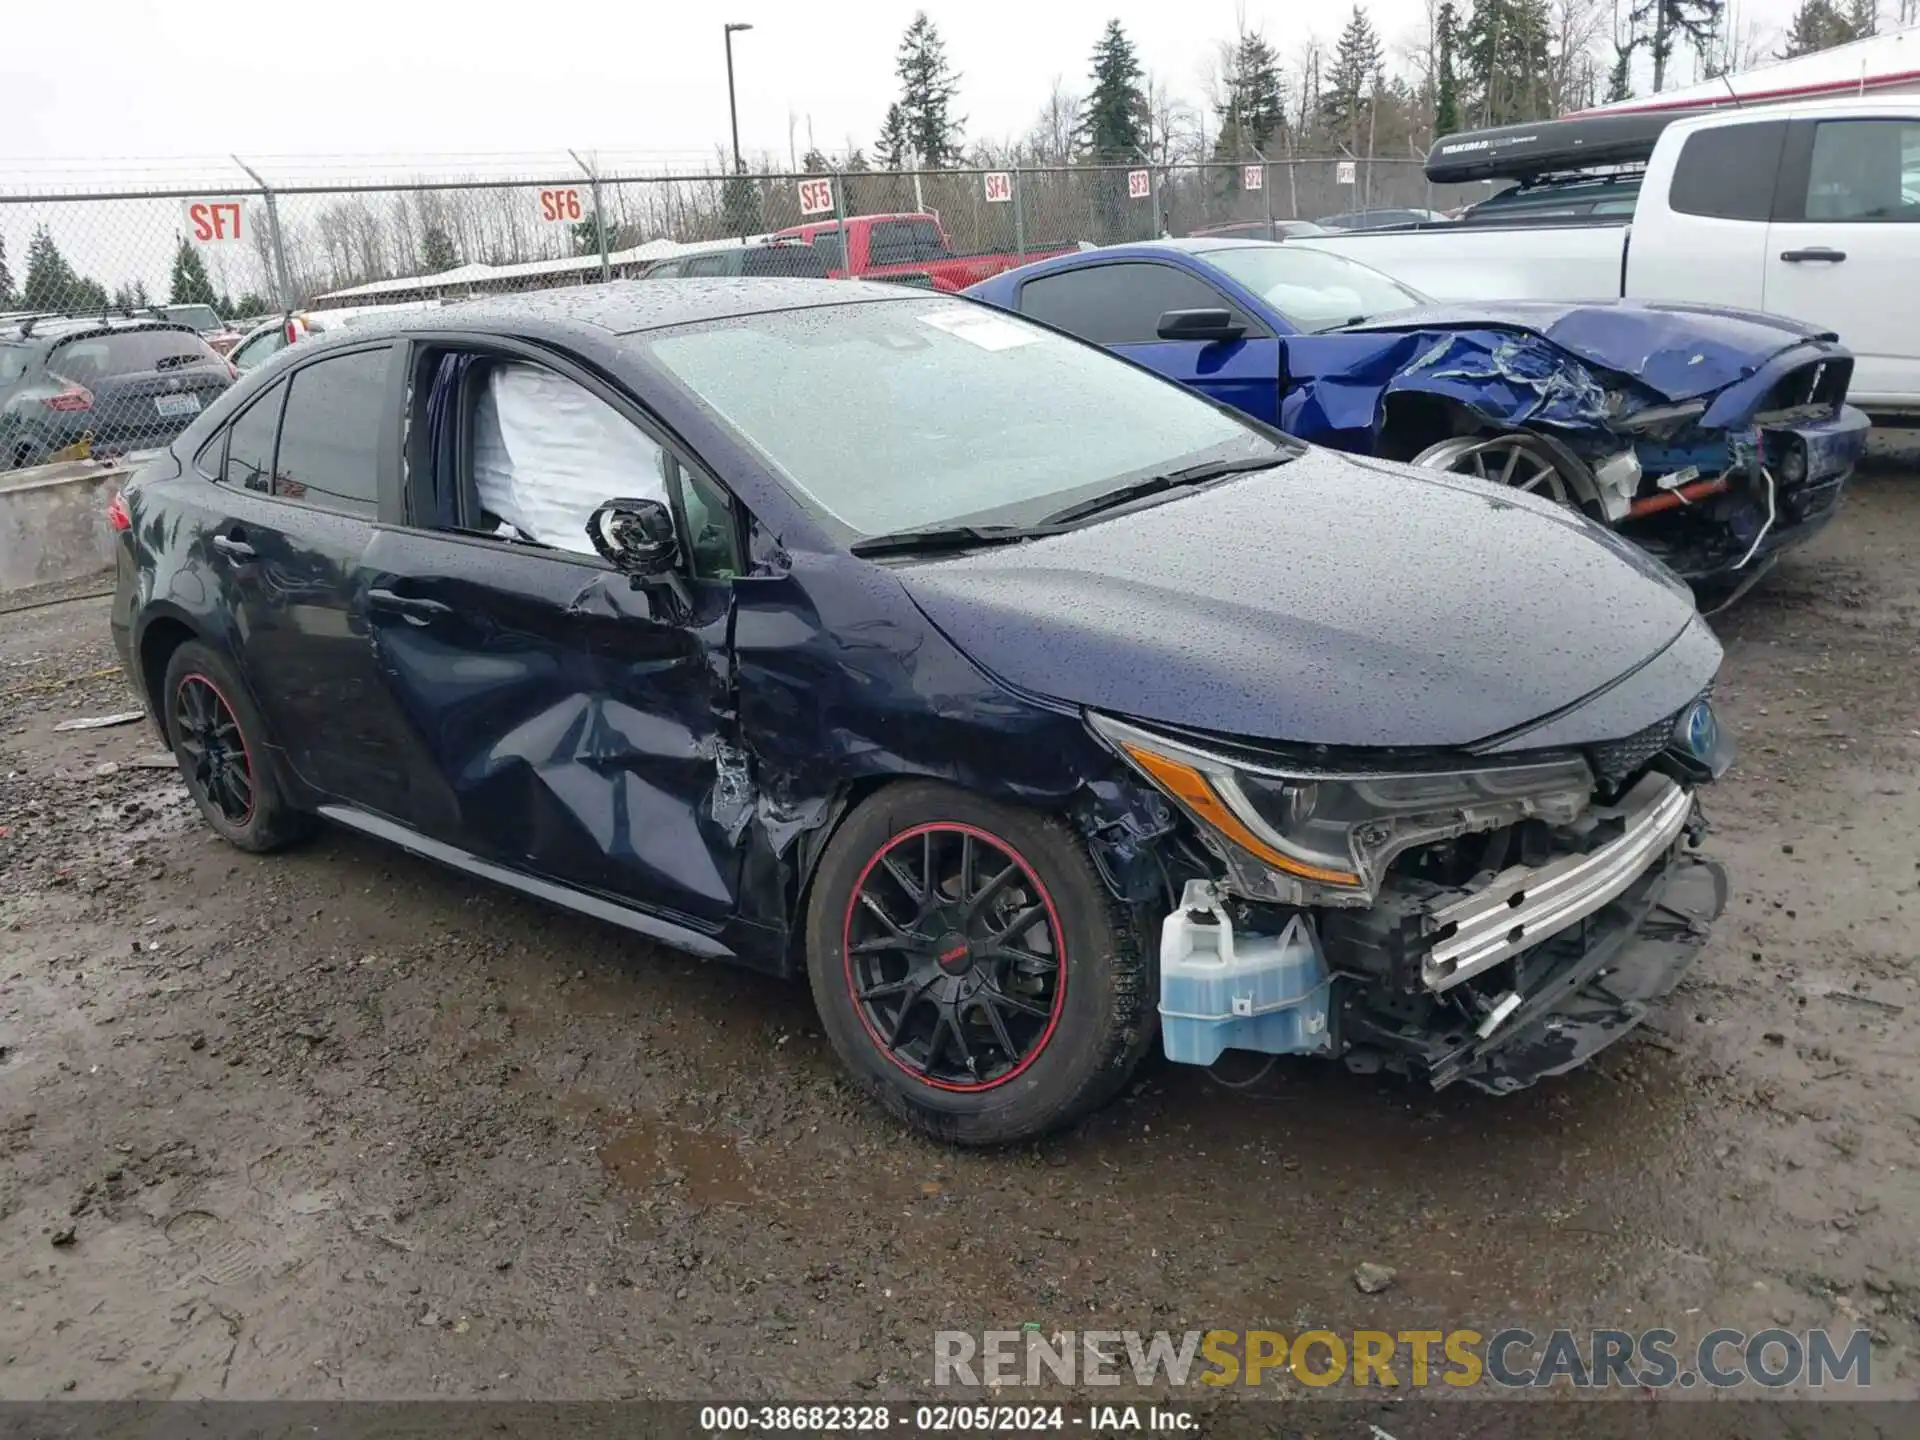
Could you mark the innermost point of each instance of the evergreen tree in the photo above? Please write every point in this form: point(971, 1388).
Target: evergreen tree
point(1113, 125)
point(1254, 109)
point(7, 301)
point(51, 283)
point(437, 252)
point(741, 202)
point(892, 147)
point(1446, 83)
point(1354, 77)
point(814, 162)
point(1665, 23)
point(1620, 78)
point(857, 161)
point(1505, 51)
point(189, 284)
point(927, 88)
point(1822, 24)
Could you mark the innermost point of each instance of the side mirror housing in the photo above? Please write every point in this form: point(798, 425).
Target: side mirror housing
point(1213, 324)
point(636, 537)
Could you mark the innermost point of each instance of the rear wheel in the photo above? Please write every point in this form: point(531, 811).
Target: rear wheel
point(971, 968)
point(218, 739)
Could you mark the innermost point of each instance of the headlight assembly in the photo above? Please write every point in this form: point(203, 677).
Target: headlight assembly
point(1300, 837)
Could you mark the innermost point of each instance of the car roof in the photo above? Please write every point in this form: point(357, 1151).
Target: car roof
point(1183, 245)
point(66, 327)
point(624, 307)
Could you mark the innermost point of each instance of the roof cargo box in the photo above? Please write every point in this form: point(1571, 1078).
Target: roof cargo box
point(1520, 152)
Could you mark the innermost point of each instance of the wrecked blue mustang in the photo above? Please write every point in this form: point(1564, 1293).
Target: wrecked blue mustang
point(1714, 438)
point(844, 629)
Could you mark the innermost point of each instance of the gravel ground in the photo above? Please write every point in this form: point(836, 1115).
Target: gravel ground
point(338, 1123)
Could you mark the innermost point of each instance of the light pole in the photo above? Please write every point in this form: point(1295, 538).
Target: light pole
point(733, 113)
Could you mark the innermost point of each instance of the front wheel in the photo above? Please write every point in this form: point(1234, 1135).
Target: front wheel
point(970, 967)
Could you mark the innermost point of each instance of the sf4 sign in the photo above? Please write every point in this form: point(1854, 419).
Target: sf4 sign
point(214, 222)
point(999, 186)
point(816, 197)
point(1139, 184)
point(560, 206)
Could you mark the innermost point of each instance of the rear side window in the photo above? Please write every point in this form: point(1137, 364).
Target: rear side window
point(904, 242)
point(130, 352)
point(330, 439)
point(250, 442)
point(13, 363)
point(1729, 173)
point(831, 249)
point(705, 265)
point(1116, 304)
point(783, 260)
point(1865, 171)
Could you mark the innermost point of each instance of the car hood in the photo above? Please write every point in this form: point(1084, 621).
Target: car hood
point(1680, 351)
point(1331, 601)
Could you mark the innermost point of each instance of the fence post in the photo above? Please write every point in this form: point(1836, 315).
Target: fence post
point(599, 215)
point(840, 218)
point(280, 279)
point(1019, 212)
point(1266, 189)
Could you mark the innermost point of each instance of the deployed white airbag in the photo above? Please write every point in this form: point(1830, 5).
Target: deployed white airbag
point(547, 454)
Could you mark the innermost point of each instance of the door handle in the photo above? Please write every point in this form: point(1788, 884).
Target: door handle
point(410, 607)
point(1815, 252)
point(233, 547)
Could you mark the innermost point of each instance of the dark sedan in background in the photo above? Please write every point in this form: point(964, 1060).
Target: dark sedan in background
point(836, 627)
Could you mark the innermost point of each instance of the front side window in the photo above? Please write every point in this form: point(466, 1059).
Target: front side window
point(1118, 304)
point(250, 442)
point(261, 347)
point(548, 453)
point(1312, 289)
point(330, 439)
point(918, 411)
point(1865, 170)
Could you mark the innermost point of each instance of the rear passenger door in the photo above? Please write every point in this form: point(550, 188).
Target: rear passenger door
point(1119, 305)
point(1844, 247)
point(303, 467)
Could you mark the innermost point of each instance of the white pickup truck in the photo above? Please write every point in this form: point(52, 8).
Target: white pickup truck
point(1809, 210)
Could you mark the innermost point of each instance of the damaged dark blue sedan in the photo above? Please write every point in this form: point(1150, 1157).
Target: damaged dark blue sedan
point(1713, 438)
point(1032, 707)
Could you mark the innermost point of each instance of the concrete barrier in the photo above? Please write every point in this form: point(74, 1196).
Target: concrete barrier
point(53, 521)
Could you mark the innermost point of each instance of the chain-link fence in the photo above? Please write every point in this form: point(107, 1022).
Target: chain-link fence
point(225, 259)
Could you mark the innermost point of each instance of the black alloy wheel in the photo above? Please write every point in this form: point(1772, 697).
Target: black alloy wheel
point(213, 751)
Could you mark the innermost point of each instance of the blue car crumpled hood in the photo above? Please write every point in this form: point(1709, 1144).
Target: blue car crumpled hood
point(1528, 362)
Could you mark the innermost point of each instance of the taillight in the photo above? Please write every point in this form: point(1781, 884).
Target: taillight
point(74, 397)
point(117, 515)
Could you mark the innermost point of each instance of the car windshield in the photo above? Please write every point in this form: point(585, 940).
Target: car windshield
point(904, 414)
point(1312, 289)
point(200, 317)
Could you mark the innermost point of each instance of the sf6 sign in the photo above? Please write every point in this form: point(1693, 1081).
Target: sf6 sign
point(560, 206)
point(214, 222)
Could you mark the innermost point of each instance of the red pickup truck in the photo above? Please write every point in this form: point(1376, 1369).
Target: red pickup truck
point(910, 248)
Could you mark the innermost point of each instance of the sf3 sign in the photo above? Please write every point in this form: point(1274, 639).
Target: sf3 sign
point(214, 222)
point(816, 197)
point(1139, 184)
point(999, 187)
point(559, 207)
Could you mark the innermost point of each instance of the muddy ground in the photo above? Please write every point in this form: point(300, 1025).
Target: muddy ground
point(338, 1123)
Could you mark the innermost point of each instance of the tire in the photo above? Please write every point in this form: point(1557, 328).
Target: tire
point(1046, 1014)
point(219, 740)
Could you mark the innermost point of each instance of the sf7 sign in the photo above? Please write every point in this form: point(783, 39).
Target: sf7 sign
point(214, 222)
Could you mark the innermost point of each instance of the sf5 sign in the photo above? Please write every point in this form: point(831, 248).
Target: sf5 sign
point(561, 206)
point(214, 222)
point(816, 197)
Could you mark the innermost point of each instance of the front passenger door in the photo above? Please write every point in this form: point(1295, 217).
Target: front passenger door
point(1119, 304)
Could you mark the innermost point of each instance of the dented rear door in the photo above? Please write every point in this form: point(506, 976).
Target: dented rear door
point(574, 720)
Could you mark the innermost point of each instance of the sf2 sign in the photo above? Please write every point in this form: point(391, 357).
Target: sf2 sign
point(1252, 177)
point(558, 207)
point(214, 222)
point(999, 186)
point(1139, 184)
point(816, 197)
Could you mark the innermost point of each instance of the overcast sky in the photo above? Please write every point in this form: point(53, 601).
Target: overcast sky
point(111, 79)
